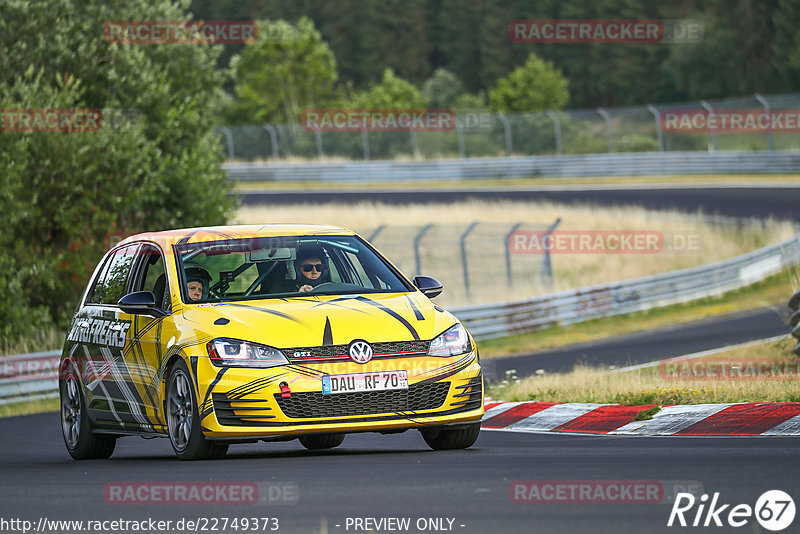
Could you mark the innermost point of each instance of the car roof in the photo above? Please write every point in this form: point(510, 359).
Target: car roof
point(168, 238)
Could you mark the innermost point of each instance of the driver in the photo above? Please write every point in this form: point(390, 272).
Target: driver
point(312, 269)
point(197, 281)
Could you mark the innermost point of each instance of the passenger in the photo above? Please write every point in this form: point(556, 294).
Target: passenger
point(197, 282)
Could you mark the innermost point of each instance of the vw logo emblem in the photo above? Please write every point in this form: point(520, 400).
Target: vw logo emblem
point(360, 351)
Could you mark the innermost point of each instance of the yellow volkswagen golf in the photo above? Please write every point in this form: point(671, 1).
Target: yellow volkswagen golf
point(213, 336)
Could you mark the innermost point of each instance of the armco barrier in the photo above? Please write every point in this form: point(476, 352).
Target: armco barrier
point(26, 377)
point(794, 320)
point(628, 164)
point(34, 376)
point(573, 306)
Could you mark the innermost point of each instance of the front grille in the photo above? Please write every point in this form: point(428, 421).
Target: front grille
point(328, 351)
point(314, 404)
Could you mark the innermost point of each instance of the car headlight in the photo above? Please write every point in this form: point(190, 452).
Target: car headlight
point(452, 342)
point(235, 353)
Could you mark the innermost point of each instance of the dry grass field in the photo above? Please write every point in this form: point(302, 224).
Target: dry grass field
point(690, 240)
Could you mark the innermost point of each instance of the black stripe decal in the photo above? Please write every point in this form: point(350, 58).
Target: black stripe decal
point(417, 313)
point(327, 336)
point(392, 313)
point(267, 310)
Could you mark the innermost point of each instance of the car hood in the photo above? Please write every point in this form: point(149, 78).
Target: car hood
point(321, 320)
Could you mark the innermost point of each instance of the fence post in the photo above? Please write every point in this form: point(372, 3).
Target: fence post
point(557, 126)
point(507, 127)
point(710, 110)
point(508, 253)
point(377, 231)
point(463, 242)
point(460, 136)
point(417, 240)
point(365, 142)
point(273, 139)
point(763, 102)
point(318, 139)
point(547, 266)
point(609, 135)
point(414, 143)
point(229, 140)
point(659, 133)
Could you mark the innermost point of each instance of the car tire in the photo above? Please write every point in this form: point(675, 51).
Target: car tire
point(183, 421)
point(76, 428)
point(317, 442)
point(452, 438)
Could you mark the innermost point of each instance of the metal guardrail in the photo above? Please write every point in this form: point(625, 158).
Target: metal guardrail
point(606, 300)
point(794, 320)
point(27, 377)
point(630, 164)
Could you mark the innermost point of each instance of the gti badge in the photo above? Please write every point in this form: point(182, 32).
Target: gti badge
point(360, 351)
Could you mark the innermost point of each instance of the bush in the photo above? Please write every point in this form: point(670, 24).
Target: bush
point(155, 163)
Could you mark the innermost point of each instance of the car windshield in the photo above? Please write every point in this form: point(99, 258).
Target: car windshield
point(264, 267)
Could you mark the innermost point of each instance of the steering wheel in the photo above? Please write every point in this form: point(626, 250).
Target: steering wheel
point(323, 284)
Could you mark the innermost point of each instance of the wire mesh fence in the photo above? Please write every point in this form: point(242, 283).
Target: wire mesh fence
point(475, 262)
point(479, 133)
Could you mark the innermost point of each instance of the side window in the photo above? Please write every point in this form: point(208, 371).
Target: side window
point(152, 276)
point(116, 278)
point(97, 289)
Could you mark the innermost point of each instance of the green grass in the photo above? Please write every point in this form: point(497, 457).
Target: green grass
point(30, 407)
point(523, 182)
point(775, 290)
point(655, 385)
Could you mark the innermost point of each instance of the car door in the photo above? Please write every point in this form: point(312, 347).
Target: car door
point(102, 332)
point(145, 351)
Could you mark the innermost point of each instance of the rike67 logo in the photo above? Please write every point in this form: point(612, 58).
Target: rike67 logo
point(774, 510)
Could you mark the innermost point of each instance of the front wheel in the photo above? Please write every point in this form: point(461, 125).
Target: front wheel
point(81, 442)
point(316, 442)
point(183, 422)
point(452, 438)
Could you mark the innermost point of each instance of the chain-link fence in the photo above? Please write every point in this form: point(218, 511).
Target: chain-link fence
point(479, 133)
point(475, 262)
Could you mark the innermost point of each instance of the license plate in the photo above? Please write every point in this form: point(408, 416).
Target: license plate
point(378, 381)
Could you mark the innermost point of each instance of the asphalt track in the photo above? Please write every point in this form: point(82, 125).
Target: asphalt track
point(397, 476)
point(651, 345)
point(739, 201)
point(374, 476)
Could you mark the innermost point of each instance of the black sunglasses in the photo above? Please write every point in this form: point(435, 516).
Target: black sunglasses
point(308, 267)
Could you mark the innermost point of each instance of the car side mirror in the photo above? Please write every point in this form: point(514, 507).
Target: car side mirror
point(140, 303)
point(430, 287)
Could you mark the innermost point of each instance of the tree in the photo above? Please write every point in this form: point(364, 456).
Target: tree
point(443, 89)
point(154, 164)
point(391, 92)
point(535, 86)
point(288, 69)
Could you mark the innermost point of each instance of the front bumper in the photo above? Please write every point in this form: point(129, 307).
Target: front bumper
point(240, 403)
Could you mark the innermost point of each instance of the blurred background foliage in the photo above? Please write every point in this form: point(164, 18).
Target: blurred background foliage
point(156, 162)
